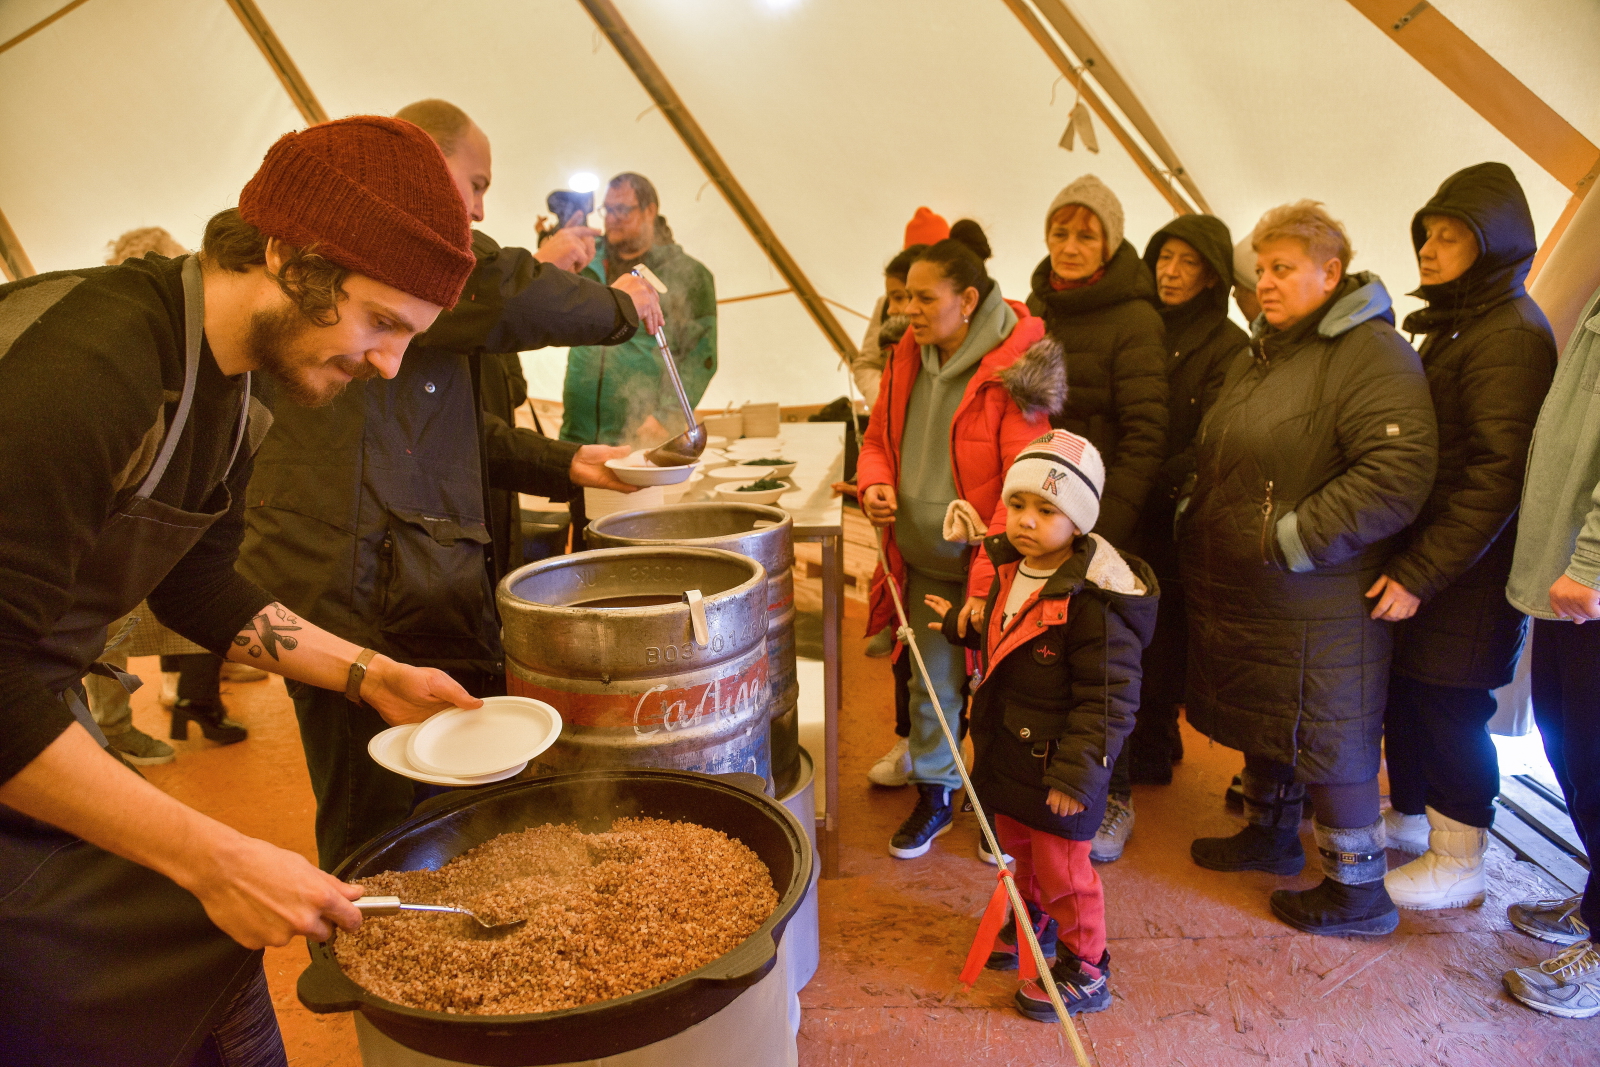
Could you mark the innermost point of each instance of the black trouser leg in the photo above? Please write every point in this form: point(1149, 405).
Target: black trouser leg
point(1346, 806)
point(1166, 665)
point(902, 694)
point(1566, 706)
point(199, 677)
point(248, 1034)
point(1439, 752)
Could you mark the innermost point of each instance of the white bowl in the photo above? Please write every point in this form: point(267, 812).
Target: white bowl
point(777, 470)
point(738, 473)
point(388, 749)
point(713, 441)
point(755, 447)
point(504, 732)
point(636, 470)
point(760, 496)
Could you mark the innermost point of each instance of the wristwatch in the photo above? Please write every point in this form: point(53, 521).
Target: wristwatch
point(358, 673)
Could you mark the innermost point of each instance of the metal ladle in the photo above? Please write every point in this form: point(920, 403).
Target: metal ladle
point(394, 906)
point(685, 448)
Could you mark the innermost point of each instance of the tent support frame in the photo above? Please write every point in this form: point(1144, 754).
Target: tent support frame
point(13, 260)
point(633, 53)
point(260, 31)
point(1074, 74)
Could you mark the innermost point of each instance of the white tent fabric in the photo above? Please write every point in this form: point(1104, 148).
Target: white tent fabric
point(839, 117)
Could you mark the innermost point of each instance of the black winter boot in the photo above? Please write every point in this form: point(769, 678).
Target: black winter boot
point(1004, 956)
point(930, 818)
point(1351, 898)
point(1270, 841)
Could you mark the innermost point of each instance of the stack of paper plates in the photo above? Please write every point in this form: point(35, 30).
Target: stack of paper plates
point(460, 747)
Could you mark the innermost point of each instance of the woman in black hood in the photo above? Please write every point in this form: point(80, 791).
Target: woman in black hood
point(1489, 356)
point(1191, 258)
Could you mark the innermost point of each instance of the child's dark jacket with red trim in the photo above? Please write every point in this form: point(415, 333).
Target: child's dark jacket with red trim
point(1060, 685)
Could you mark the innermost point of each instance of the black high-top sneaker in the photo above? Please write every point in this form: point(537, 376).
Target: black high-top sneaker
point(930, 818)
point(1083, 987)
point(1351, 898)
point(1271, 839)
point(1006, 948)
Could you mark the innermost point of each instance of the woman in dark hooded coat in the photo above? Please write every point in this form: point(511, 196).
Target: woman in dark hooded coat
point(1191, 258)
point(1489, 356)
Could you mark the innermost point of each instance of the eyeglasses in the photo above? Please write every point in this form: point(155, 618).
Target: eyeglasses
point(619, 211)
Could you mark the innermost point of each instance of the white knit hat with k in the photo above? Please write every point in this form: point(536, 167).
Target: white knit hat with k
point(1066, 470)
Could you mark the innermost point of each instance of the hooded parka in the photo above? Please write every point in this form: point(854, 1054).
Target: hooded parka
point(1060, 684)
point(1111, 343)
point(1319, 452)
point(1489, 356)
point(1005, 405)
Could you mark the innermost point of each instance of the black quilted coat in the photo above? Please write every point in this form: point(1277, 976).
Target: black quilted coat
point(1490, 356)
point(1111, 342)
point(1317, 455)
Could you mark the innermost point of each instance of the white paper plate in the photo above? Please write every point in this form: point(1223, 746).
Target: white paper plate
point(504, 732)
point(636, 470)
point(388, 749)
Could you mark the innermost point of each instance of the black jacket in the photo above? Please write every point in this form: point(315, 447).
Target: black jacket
point(1317, 455)
point(1202, 342)
point(1060, 686)
point(369, 516)
point(1111, 342)
point(1490, 356)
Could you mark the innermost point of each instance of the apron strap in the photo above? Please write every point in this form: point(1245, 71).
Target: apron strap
point(194, 323)
point(73, 695)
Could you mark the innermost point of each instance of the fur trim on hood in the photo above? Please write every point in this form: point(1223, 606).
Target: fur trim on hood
point(1109, 571)
point(1038, 381)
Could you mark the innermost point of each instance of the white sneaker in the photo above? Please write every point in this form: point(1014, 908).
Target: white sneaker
point(1407, 833)
point(1449, 875)
point(1115, 829)
point(169, 688)
point(983, 850)
point(894, 769)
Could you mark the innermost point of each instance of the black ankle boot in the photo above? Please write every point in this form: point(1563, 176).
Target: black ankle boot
point(1336, 908)
point(1255, 848)
point(1351, 899)
point(211, 719)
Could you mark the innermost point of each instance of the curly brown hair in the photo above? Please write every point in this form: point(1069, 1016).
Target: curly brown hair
point(313, 284)
point(135, 243)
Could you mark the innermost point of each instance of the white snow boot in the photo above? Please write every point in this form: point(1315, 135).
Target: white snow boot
point(1407, 833)
point(1449, 875)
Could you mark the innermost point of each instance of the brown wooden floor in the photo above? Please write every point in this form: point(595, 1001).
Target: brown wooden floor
point(1202, 972)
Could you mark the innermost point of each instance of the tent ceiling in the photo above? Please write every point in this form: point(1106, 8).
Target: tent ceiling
point(838, 117)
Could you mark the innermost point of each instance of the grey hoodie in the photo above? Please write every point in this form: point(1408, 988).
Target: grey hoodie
point(1559, 530)
point(927, 478)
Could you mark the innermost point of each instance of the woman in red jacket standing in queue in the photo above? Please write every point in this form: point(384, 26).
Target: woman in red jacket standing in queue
point(965, 389)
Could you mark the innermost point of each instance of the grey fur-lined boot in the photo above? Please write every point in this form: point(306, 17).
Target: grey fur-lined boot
point(1271, 839)
point(1351, 898)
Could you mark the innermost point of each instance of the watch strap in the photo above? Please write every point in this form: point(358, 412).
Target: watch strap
point(358, 674)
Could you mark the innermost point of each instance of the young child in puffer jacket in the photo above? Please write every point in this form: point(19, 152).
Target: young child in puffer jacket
point(1060, 639)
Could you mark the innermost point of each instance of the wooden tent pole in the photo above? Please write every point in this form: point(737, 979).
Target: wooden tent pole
point(41, 24)
point(633, 53)
point(1094, 58)
point(13, 260)
point(1488, 88)
point(1572, 263)
point(1064, 64)
point(255, 24)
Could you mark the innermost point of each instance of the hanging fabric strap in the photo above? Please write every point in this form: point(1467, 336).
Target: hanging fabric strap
point(994, 917)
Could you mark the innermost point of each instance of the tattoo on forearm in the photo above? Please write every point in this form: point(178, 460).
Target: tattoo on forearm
point(268, 631)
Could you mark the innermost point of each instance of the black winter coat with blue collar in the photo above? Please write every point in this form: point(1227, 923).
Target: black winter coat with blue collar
point(1060, 685)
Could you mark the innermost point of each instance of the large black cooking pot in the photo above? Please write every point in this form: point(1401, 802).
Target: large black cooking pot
point(591, 800)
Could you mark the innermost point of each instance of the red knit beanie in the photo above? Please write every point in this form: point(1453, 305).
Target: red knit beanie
point(926, 228)
point(374, 196)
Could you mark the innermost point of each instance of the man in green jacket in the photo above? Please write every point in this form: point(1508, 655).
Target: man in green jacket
point(619, 394)
point(1555, 577)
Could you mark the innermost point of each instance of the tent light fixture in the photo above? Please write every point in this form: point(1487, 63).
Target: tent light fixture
point(583, 182)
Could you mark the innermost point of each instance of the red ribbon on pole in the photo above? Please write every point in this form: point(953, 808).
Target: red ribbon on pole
point(994, 917)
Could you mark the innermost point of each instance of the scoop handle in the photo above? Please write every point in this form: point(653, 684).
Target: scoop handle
point(378, 905)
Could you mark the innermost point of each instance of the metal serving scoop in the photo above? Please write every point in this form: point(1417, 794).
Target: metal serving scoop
point(685, 448)
point(394, 906)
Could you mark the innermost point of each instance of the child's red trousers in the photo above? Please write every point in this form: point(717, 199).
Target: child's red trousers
point(1056, 874)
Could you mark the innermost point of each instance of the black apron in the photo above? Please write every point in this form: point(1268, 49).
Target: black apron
point(103, 961)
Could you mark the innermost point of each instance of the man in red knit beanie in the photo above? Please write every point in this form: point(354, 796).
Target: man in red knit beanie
point(134, 932)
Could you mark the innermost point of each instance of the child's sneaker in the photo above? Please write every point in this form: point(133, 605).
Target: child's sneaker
point(1004, 956)
point(1083, 988)
point(930, 818)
